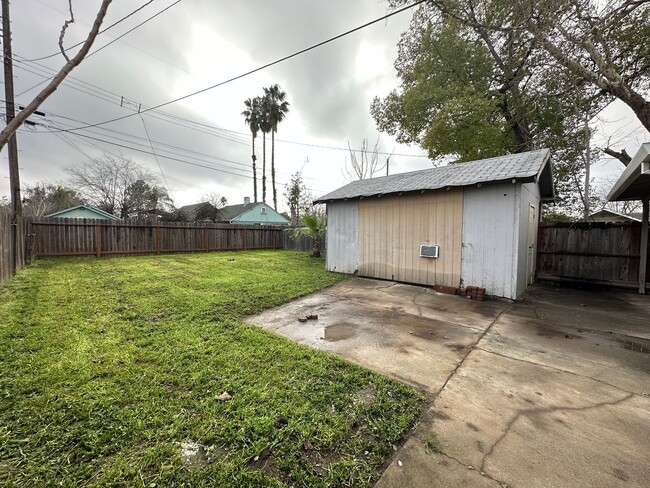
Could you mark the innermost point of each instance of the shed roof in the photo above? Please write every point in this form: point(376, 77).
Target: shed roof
point(526, 167)
point(634, 183)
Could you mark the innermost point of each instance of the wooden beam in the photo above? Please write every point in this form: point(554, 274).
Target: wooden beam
point(643, 262)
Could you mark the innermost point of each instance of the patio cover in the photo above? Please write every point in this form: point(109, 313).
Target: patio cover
point(634, 184)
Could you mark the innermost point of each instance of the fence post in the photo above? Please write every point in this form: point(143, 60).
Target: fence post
point(245, 233)
point(205, 238)
point(158, 239)
point(98, 239)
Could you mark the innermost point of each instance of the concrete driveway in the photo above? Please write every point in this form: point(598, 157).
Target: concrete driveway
point(549, 392)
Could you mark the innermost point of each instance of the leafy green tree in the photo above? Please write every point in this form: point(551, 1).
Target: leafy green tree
point(252, 116)
point(298, 198)
point(594, 47)
point(277, 108)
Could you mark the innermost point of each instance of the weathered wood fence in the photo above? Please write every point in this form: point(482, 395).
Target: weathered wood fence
point(82, 237)
point(599, 253)
point(7, 251)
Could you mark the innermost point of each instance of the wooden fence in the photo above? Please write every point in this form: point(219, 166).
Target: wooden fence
point(7, 247)
point(599, 253)
point(81, 237)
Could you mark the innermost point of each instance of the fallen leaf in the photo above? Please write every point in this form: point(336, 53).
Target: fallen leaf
point(224, 397)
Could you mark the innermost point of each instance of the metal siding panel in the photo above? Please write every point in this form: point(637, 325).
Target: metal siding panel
point(343, 237)
point(489, 230)
point(393, 228)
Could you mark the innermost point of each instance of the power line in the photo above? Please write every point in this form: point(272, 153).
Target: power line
point(154, 153)
point(260, 68)
point(99, 33)
point(243, 137)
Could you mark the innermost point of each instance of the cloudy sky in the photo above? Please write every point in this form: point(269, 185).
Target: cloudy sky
point(202, 142)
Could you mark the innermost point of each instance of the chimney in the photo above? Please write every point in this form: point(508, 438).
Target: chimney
point(247, 200)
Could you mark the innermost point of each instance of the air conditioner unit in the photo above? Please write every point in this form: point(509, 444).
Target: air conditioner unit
point(429, 251)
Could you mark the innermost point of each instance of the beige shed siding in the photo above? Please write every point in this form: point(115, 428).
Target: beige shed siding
point(392, 228)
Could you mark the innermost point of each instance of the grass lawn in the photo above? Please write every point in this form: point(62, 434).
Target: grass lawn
point(109, 367)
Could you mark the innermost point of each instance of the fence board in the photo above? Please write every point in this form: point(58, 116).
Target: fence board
point(595, 252)
point(82, 237)
point(7, 247)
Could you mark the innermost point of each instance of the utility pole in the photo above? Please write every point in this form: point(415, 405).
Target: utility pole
point(587, 159)
point(14, 177)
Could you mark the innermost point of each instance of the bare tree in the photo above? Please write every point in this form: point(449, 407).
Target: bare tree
point(364, 162)
point(71, 63)
point(117, 185)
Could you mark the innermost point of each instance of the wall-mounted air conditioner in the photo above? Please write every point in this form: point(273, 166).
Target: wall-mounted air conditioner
point(429, 251)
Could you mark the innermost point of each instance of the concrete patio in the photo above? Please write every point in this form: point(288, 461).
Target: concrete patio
point(549, 391)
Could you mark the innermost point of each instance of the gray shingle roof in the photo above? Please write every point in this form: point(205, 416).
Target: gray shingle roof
point(521, 166)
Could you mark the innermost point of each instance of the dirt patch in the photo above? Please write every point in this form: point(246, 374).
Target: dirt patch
point(339, 331)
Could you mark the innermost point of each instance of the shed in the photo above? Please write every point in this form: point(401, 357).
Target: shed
point(83, 212)
point(634, 184)
point(458, 225)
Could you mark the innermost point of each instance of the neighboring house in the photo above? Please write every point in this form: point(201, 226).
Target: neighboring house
point(252, 213)
point(83, 212)
point(480, 219)
point(198, 212)
point(605, 215)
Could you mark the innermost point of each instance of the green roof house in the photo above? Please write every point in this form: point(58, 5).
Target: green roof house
point(83, 212)
point(252, 213)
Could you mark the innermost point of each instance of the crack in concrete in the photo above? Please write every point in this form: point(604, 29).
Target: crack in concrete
point(482, 473)
point(533, 363)
point(533, 411)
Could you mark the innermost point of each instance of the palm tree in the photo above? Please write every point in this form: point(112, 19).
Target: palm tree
point(314, 227)
point(265, 127)
point(278, 107)
point(252, 119)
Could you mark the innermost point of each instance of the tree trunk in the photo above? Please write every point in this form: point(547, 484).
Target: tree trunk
point(254, 173)
point(275, 195)
point(264, 167)
point(315, 250)
point(633, 99)
point(586, 197)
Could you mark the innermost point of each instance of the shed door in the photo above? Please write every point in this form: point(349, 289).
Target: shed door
point(530, 265)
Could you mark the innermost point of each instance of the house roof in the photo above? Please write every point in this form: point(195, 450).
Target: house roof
point(527, 167)
point(61, 213)
point(634, 183)
point(192, 210)
point(633, 217)
point(229, 212)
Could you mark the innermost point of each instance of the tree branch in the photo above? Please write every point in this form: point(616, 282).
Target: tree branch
point(24, 114)
point(63, 29)
point(622, 155)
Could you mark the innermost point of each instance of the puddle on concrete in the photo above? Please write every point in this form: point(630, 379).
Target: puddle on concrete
point(339, 331)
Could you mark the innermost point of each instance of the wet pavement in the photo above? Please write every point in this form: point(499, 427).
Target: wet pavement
point(550, 391)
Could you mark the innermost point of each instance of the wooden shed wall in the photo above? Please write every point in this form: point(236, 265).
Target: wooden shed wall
point(490, 238)
point(343, 236)
point(392, 228)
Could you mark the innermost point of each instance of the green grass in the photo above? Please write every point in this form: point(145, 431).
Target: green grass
point(107, 366)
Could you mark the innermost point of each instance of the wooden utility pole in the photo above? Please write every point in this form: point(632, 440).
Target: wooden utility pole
point(14, 176)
